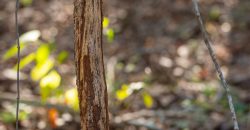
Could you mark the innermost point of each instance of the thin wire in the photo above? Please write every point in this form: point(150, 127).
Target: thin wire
point(217, 66)
point(18, 64)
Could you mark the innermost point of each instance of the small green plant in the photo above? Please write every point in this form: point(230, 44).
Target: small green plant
point(44, 69)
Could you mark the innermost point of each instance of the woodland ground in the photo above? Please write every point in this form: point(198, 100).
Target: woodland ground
point(157, 55)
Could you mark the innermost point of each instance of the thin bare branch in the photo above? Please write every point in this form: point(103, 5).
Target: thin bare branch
point(208, 43)
point(18, 64)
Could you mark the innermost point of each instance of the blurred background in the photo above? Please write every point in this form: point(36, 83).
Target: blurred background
point(159, 73)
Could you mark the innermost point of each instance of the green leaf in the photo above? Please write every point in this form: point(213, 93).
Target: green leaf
point(31, 36)
point(123, 93)
point(12, 51)
point(48, 84)
point(26, 2)
point(45, 93)
point(71, 98)
point(23, 115)
point(42, 53)
point(110, 35)
point(148, 100)
point(26, 60)
point(41, 69)
point(52, 80)
point(215, 13)
point(7, 117)
point(62, 56)
point(105, 22)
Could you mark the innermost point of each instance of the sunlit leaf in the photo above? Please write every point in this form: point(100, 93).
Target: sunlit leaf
point(42, 53)
point(62, 56)
point(110, 35)
point(30, 36)
point(105, 22)
point(52, 80)
point(41, 70)
point(26, 2)
point(23, 115)
point(123, 93)
point(12, 51)
point(45, 93)
point(71, 98)
point(48, 84)
point(148, 100)
point(26, 60)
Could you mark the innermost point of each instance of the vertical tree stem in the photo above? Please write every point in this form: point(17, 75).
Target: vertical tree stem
point(18, 64)
point(217, 66)
point(91, 84)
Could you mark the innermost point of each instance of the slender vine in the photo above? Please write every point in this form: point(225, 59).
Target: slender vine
point(208, 43)
point(18, 64)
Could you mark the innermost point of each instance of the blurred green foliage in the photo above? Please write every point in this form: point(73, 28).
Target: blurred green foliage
point(25, 39)
point(62, 56)
point(215, 13)
point(41, 69)
point(9, 117)
point(26, 2)
point(71, 98)
point(127, 89)
point(49, 83)
point(45, 63)
point(148, 100)
point(42, 53)
point(108, 32)
point(26, 60)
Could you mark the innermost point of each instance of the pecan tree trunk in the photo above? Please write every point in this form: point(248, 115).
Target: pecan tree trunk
point(91, 85)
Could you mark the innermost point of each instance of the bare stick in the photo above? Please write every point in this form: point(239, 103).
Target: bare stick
point(18, 64)
point(217, 66)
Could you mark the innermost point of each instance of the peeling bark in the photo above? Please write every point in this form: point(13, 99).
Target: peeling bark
point(91, 85)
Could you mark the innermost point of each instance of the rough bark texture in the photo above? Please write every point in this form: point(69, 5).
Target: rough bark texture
point(91, 83)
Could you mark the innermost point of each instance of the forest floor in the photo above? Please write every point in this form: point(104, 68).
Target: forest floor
point(159, 73)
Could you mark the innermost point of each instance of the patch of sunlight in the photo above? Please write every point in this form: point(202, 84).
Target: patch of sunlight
point(30, 36)
point(71, 98)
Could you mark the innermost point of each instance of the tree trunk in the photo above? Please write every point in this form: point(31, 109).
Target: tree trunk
point(91, 85)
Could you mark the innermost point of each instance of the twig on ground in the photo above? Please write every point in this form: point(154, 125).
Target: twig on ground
point(217, 66)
